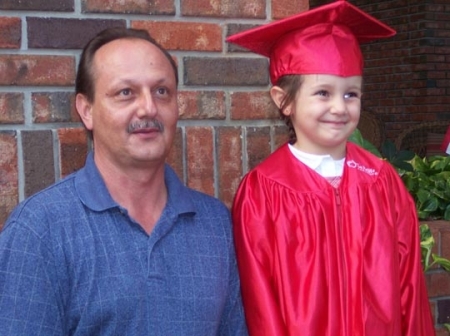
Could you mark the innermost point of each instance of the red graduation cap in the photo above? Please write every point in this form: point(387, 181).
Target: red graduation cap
point(324, 40)
point(445, 146)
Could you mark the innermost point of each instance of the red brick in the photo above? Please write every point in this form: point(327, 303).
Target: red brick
point(37, 70)
point(200, 159)
point(65, 33)
point(229, 151)
point(225, 71)
point(129, 6)
point(176, 154)
point(234, 28)
point(438, 283)
point(11, 108)
point(73, 148)
point(281, 135)
point(433, 309)
point(224, 8)
point(192, 36)
point(441, 233)
point(253, 105)
point(201, 104)
point(9, 191)
point(284, 8)
point(49, 107)
point(441, 331)
point(258, 145)
point(10, 32)
point(38, 160)
point(443, 306)
point(38, 5)
point(445, 242)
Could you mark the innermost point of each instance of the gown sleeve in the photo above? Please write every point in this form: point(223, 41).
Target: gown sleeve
point(254, 242)
point(416, 314)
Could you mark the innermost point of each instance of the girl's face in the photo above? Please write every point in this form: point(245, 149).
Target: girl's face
point(324, 112)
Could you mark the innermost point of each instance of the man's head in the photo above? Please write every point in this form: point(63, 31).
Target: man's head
point(127, 97)
point(85, 76)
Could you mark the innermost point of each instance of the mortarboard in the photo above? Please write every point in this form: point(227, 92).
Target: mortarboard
point(324, 40)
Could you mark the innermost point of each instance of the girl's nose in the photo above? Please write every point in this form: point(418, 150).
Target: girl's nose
point(338, 106)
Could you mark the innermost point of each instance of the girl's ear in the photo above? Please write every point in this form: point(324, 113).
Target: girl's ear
point(84, 108)
point(278, 95)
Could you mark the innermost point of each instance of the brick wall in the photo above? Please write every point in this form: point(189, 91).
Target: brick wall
point(228, 123)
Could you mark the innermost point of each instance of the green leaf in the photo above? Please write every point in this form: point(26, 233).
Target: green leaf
point(430, 205)
point(426, 237)
point(423, 195)
point(447, 213)
point(405, 155)
point(402, 165)
point(426, 245)
point(389, 150)
point(444, 263)
point(357, 138)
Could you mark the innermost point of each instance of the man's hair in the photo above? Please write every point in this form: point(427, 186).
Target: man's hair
point(85, 76)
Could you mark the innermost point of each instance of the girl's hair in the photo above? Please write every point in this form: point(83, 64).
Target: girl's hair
point(290, 84)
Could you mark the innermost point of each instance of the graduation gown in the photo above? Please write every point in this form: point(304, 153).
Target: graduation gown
point(322, 261)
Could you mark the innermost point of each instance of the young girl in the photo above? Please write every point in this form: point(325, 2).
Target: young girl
point(326, 234)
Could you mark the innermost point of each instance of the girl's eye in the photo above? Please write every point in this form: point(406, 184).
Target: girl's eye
point(322, 93)
point(350, 95)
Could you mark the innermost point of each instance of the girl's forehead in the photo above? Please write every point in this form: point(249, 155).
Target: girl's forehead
point(332, 80)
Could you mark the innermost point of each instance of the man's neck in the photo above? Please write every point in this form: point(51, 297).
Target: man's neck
point(142, 191)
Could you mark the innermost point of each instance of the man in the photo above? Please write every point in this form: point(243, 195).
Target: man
point(121, 247)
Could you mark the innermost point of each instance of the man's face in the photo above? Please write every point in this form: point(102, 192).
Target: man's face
point(134, 113)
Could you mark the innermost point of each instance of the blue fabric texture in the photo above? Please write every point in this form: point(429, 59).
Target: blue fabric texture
point(72, 262)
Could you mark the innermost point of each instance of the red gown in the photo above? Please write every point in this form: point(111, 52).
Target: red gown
point(321, 261)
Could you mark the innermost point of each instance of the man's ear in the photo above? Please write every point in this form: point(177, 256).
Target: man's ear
point(84, 109)
point(278, 95)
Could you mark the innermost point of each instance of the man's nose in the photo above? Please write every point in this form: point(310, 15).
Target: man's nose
point(147, 106)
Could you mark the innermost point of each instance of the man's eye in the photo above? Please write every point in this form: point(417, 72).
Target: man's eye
point(161, 91)
point(125, 92)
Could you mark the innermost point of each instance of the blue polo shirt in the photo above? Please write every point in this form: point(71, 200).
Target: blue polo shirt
point(72, 262)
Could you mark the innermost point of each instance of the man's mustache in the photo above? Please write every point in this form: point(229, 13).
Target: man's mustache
point(142, 124)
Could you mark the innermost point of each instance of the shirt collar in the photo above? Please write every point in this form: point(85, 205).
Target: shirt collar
point(92, 190)
point(324, 165)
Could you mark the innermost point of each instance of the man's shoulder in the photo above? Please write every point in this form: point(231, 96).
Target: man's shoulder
point(45, 205)
point(184, 197)
point(202, 199)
